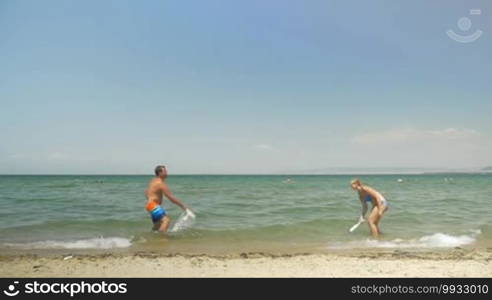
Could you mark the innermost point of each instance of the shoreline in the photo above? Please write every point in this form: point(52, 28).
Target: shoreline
point(458, 262)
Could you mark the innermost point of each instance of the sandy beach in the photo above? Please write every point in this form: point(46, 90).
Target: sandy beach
point(455, 263)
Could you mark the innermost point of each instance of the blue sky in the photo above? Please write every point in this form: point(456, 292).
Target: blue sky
point(242, 86)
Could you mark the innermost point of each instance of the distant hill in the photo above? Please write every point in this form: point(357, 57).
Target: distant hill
point(368, 171)
point(352, 171)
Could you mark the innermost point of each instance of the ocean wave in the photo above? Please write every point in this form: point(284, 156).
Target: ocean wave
point(436, 240)
point(94, 243)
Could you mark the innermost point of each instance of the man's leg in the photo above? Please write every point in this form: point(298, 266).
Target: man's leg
point(163, 225)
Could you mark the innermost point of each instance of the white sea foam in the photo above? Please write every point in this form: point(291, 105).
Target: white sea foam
point(436, 240)
point(94, 243)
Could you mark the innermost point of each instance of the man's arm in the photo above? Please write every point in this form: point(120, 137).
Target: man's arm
point(167, 192)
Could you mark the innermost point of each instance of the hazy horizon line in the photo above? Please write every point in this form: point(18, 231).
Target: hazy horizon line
point(261, 174)
point(319, 171)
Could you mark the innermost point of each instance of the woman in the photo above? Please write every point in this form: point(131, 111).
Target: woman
point(379, 205)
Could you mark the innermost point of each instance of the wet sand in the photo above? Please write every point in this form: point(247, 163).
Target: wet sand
point(454, 263)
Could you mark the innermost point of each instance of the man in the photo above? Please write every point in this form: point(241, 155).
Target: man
point(379, 205)
point(156, 189)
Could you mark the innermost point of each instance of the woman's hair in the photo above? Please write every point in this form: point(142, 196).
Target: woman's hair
point(355, 181)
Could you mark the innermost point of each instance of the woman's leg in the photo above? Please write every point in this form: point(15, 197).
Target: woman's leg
point(379, 217)
point(371, 221)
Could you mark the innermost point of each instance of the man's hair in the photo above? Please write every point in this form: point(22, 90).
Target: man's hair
point(158, 169)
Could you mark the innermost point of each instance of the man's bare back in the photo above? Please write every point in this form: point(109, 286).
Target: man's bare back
point(154, 190)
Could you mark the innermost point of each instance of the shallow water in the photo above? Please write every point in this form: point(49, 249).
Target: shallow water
point(235, 213)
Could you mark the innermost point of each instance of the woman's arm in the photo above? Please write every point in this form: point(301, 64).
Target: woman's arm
point(364, 208)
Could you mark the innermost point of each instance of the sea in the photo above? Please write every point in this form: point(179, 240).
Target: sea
point(243, 213)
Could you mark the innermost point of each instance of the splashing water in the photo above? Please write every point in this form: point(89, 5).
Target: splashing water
point(184, 221)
